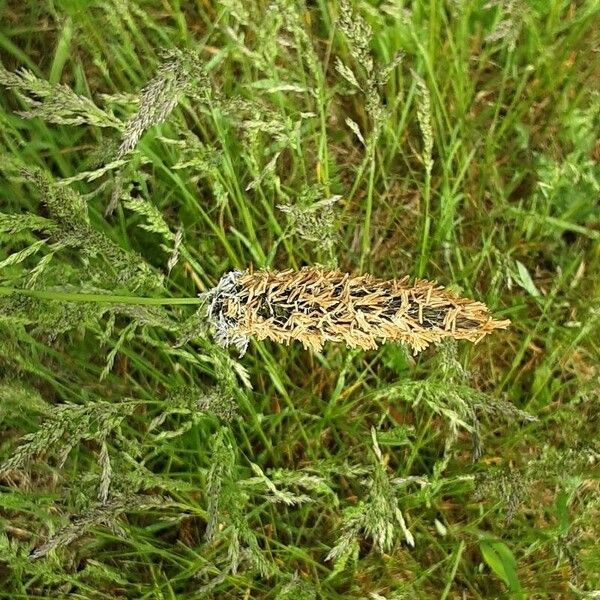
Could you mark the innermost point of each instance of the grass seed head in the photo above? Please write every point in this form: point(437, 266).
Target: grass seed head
point(315, 305)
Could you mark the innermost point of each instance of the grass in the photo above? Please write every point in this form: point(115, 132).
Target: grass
point(169, 142)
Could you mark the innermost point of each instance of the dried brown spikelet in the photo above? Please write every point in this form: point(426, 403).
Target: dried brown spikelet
point(314, 306)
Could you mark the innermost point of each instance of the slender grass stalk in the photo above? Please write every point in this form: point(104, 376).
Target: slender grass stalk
point(98, 298)
point(426, 225)
point(366, 238)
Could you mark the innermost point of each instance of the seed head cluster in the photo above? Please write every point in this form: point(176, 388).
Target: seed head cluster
point(314, 306)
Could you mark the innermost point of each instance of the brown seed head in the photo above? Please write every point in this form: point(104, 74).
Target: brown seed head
point(314, 306)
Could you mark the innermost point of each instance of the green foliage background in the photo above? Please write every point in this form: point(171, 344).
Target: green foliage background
point(149, 147)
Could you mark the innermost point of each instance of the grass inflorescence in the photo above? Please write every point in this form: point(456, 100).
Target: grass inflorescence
point(314, 306)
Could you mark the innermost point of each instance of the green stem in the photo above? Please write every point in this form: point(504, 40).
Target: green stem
point(358, 178)
point(366, 238)
point(426, 225)
point(459, 552)
point(99, 298)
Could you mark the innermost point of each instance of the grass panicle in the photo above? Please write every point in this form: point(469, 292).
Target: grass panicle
point(315, 306)
point(179, 74)
point(55, 103)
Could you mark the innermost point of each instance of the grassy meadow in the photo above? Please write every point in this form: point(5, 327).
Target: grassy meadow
point(149, 147)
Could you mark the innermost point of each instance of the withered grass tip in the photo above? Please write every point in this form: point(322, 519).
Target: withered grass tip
point(314, 306)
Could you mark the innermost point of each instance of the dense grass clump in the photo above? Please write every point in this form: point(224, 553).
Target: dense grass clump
point(149, 149)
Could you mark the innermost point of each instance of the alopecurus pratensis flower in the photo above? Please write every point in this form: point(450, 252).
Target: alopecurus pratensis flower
point(315, 305)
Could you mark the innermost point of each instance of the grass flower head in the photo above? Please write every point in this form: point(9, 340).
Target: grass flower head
point(315, 306)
